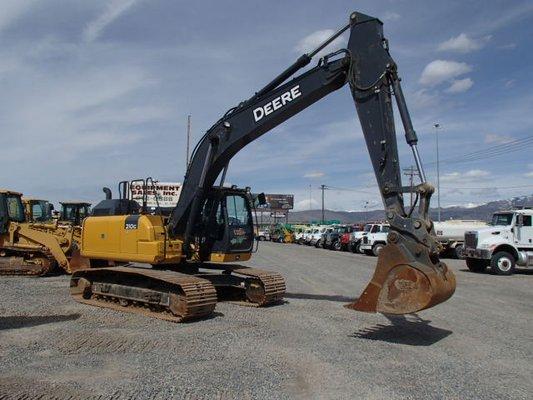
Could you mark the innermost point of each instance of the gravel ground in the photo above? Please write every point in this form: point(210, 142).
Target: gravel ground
point(476, 345)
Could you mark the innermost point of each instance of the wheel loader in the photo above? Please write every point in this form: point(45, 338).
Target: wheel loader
point(194, 253)
point(32, 247)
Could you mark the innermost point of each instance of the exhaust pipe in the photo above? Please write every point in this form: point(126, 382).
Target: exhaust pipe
point(107, 191)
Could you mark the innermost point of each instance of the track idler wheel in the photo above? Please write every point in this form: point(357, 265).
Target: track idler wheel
point(404, 284)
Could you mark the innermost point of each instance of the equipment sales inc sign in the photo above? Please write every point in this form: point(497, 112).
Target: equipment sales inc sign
point(167, 194)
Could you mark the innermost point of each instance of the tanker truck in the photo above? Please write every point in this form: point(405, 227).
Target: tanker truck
point(451, 235)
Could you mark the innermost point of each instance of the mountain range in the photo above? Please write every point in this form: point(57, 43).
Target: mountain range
point(481, 212)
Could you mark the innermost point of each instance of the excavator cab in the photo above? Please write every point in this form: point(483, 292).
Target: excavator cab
point(228, 226)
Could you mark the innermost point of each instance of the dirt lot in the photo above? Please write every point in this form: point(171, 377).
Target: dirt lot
point(477, 345)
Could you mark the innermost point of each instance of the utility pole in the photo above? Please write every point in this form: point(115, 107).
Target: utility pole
point(437, 126)
point(411, 172)
point(310, 207)
point(323, 187)
point(188, 142)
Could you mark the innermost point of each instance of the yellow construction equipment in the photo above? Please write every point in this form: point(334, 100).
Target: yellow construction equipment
point(33, 248)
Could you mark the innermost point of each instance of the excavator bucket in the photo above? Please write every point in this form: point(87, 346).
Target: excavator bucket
point(402, 284)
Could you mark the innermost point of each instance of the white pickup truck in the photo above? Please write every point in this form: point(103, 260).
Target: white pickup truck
point(505, 244)
point(451, 235)
point(374, 240)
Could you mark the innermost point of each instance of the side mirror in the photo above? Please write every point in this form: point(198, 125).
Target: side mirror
point(261, 199)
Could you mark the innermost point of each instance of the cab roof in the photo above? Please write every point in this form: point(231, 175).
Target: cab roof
point(75, 203)
point(6, 191)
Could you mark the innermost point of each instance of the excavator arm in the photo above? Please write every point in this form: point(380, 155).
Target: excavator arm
point(409, 276)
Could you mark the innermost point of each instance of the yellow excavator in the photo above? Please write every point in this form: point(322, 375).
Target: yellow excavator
point(212, 224)
point(33, 247)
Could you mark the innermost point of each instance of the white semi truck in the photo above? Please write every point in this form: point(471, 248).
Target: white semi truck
point(451, 235)
point(505, 244)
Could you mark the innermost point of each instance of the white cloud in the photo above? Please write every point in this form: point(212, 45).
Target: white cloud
point(529, 174)
point(497, 139)
point(508, 46)
point(306, 204)
point(509, 83)
point(463, 43)
point(114, 9)
point(468, 176)
point(439, 71)
point(460, 85)
point(391, 16)
point(312, 41)
point(12, 10)
point(314, 175)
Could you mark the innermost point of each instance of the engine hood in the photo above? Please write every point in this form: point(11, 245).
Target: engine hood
point(493, 234)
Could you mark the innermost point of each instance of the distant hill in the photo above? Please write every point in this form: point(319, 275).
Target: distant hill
point(482, 212)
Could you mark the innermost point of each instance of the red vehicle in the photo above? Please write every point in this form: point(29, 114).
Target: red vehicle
point(344, 243)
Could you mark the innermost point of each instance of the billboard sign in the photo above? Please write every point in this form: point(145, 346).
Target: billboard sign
point(279, 201)
point(167, 194)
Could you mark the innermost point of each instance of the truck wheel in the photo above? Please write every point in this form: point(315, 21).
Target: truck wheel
point(502, 263)
point(476, 265)
point(356, 248)
point(458, 251)
point(317, 244)
point(376, 249)
point(337, 246)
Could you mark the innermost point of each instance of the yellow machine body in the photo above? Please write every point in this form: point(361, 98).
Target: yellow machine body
point(137, 238)
point(129, 238)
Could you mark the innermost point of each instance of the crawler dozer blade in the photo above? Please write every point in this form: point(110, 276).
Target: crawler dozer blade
point(402, 284)
point(78, 262)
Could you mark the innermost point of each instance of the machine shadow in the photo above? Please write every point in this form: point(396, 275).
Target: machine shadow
point(409, 330)
point(17, 322)
point(307, 296)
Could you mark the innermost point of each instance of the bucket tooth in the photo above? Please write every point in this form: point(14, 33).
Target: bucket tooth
point(402, 284)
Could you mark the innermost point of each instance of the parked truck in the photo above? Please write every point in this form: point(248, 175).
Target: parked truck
point(451, 235)
point(375, 240)
point(504, 245)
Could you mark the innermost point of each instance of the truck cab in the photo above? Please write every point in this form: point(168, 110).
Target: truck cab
point(375, 239)
point(505, 244)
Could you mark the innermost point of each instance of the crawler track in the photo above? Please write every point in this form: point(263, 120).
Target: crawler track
point(20, 261)
point(167, 295)
point(258, 287)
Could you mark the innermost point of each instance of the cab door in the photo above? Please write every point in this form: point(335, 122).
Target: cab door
point(234, 218)
point(524, 230)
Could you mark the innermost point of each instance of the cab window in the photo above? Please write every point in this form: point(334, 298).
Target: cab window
point(526, 220)
point(15, 210)
point(237, 211)
point(375, 229)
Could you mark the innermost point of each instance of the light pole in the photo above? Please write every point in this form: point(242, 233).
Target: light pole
point(437, 126)
point(323, 187)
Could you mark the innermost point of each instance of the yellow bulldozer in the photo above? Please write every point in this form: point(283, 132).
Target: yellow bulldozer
point(29, 246)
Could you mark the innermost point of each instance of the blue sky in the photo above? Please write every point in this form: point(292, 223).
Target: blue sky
point(93, 92)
